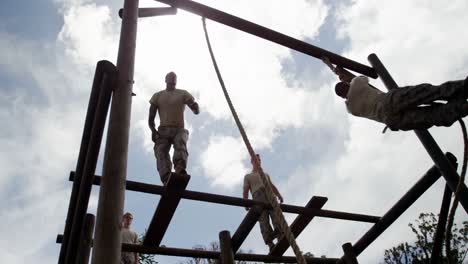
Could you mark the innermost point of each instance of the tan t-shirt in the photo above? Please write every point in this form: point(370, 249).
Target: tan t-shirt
point(364, 100)
point(171, 106)
point(128, 237)
point(254, 182)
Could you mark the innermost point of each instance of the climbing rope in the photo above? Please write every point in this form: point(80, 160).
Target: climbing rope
point(448, 230)
point(278, 218)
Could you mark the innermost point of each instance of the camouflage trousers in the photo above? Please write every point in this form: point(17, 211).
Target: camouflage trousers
point(413, 107)
point(264, 220)
point(169, 136)
point(127, 258)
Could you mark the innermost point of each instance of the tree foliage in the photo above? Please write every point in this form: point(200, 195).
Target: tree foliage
point(420, 251)
point(145, 258)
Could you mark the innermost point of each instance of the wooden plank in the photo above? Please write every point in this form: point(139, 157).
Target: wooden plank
point(268, 34)
point(237, 201)
point(245, 227)
point(298, 225)
point(166, 208)
point(206, 254)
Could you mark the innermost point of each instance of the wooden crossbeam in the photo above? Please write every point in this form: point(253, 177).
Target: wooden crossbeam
point(245, 227)
point(166, 208)
point(236, 201)
point(206, 254)
point(298, 225)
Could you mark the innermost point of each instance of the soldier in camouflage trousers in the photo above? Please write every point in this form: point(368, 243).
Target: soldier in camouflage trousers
point(405, 108)
point(171, 105)
point(254, 184)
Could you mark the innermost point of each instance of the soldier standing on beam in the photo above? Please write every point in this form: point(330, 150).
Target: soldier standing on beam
point(171, 105)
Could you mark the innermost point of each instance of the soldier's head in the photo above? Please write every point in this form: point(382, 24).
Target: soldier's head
point(256, 162)
point(171, 80)
point(127, 219)
point(341, 89)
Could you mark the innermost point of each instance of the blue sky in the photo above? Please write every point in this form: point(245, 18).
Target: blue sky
point(309, 144)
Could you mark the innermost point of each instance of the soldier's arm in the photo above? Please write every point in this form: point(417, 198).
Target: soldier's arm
point(276, 192)
point(151, 116)
point(245, 193)
point(344, 75)
point(194, 107)
point(136, 253)
point(190, 101)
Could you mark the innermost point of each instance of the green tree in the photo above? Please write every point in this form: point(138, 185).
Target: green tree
point(420, 251)
point(145, 258)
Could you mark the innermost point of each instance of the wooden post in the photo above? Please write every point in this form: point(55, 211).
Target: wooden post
point(107, 241)
point(439, 234)
point(226, 255)
point(86, 242)
point(349, 255)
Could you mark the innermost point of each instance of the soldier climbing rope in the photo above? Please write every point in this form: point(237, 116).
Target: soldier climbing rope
point(278, 218)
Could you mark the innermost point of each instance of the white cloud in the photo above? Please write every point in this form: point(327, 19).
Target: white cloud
point(223, 161)
point(360, 169)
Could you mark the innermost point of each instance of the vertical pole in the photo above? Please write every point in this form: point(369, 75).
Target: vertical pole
point(85, 138)
point(439, 234)
point(89, 169)
point(226, 256)
point(349, 255)
point(449, 173)
point(107, 242)
point(86, 241)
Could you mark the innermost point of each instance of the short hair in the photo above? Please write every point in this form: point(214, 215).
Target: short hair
point(341, 89)
point(171, 74)
point(256, 155)
point(127, 214)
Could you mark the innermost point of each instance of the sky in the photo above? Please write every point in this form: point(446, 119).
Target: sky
point(309, 144)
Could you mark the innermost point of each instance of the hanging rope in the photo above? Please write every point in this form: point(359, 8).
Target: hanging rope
point(451, 217)
point(278, 218)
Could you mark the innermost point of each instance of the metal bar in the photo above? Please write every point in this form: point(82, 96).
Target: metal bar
point(434, 151)
point(298, 226)
point(193, 253)
point(268, 34)
point(418, 189)
point(245, 227)
point(226, 254)
point(107, 246)
point(84, 247)
point(349, 255)
point(439, 234)
point(101, 67)
point(236, 201)
point(90, 165)
point(166, 208)
point(153, 11)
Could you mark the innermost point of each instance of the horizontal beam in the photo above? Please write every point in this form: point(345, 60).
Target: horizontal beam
point(166, 208)
point(268, 34)
point(298, 225)
point(195, 253)
point(153, 11)
point(236, 201)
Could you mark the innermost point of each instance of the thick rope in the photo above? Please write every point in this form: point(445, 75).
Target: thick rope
point(278, 218)
point(451, 217)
